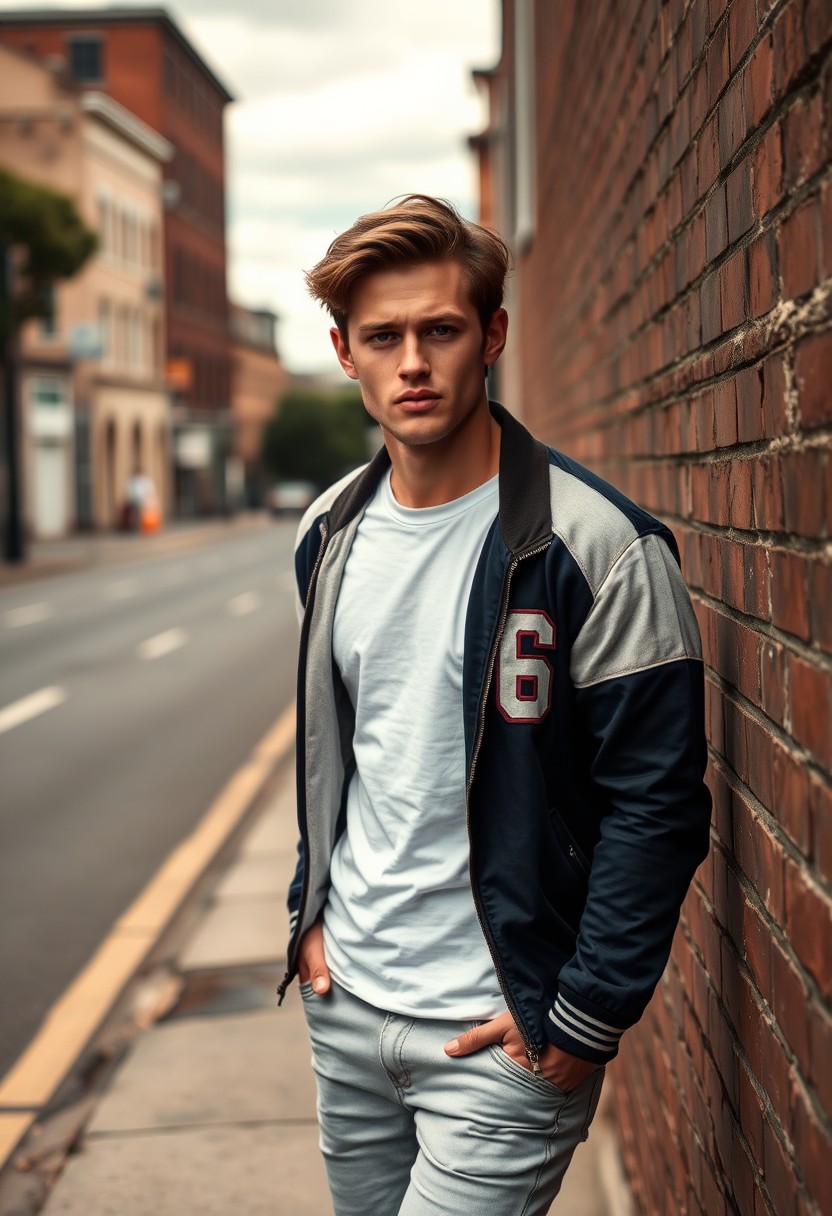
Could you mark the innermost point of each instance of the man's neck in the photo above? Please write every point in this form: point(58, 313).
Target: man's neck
point(429, 475)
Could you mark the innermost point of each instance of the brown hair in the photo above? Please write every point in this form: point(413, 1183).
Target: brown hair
point(413, 229)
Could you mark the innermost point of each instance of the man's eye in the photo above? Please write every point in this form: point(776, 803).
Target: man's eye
point(441, 331)
point(381, 339)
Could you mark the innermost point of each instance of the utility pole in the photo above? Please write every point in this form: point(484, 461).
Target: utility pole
point(14, 549)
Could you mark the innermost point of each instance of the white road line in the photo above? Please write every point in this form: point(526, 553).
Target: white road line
point(243, 604)
point(29, 707)
point(162, 643)
point(124, 589)
point(28, 614)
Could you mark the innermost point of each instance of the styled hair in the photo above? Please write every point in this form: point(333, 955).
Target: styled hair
point(410, 230)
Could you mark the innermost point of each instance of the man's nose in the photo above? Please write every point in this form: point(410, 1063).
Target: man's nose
point(413, 360)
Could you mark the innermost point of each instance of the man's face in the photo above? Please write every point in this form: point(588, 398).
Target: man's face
point(417, 348)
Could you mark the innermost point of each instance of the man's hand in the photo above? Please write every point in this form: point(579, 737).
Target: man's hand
point(312, 966)
point(559, 1067)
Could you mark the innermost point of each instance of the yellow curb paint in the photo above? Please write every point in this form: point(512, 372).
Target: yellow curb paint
point(12, 1130)
point(74, 1018)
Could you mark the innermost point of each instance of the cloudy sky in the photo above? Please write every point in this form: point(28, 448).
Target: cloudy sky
point(342, 104)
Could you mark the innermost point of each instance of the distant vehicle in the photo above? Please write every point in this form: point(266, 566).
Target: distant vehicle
point(291, 497)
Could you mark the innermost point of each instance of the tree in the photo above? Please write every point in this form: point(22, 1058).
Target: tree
point(45, 229)
point(315, 436)
point(54, 241)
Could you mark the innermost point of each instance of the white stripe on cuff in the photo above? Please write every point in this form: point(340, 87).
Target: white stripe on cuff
point(561, 1000)
point(573, 1034)
point(603, 1040)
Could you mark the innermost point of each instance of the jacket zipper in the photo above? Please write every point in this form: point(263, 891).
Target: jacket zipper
point(304, 890)
point(531, 1051)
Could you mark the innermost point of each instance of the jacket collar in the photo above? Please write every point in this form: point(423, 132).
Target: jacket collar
point(525, 510)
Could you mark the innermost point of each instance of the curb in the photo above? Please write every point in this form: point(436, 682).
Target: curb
point(79, 1013)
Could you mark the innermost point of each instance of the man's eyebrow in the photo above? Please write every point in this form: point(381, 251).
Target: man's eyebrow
point(372, 327)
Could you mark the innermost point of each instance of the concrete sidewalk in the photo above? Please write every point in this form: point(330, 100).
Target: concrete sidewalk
point(213, 1110)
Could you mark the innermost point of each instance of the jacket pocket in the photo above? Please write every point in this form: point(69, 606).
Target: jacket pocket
point(569, 846)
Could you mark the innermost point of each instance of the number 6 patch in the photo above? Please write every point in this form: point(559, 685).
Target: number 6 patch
point(524, 679)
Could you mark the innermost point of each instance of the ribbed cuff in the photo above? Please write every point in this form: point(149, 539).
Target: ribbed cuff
point(581, 1033)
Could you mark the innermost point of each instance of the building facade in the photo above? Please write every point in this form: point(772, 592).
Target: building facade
point(664, 172)
point(93, 398)
point(258, 381)
point(140, 58)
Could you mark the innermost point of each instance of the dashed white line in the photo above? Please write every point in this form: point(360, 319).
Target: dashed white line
point(124, 589)
point(243, 604)
point(28, 614)
point(162, 643)
point(30, 707)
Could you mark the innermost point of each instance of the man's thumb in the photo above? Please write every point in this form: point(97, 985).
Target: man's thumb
point(471, 1041)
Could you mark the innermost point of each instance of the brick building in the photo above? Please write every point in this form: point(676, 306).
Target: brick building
point(663, 170)
point(93, 402)
point(258, 380)
point(141, 59)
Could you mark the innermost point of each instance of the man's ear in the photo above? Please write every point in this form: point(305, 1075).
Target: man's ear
point(342, 350)
point(495, 337)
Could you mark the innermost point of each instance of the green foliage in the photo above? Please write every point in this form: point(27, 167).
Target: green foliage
point(314, 436)
point(54, 238)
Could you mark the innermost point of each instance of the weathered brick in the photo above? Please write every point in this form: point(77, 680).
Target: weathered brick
point(758, 80)
point(767, 172)
point(731, 122)
point(804, 143)
point(716, 224)
point(813, 374)
point(789, 592)
point(732, 291)
point(761, 275)
point(820, 606)
point(809, 921)
point(809, 697)
point(797, 251)
point(801, 474)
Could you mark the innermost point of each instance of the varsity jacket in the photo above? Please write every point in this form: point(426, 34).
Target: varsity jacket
point(584, 739)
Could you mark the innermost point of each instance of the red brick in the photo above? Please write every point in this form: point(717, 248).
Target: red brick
point(804, 144)
point(820, 1053)
point(761, 275)
point(711, 311)
point(790, 592)
point(790, 797)
point(813, 374)
point(820, 605)
point(742, 27)
point(740, 209)
point(768, 494)
point(801, 473)
point(749, 385)
point(725, 415)
point(809, 697)
point(817, 24)
point(739, 488)
point(731, 122)
point(809, 923)
point(767, 172)
point(826, 228)
point(774, 396)
point(789, 999)
point(789, 48)
point(797, 250)
point(779, 1175)
point(732, 290)
point(758, 79)
point(717, 64)
point(773, 680)
point(760, 855)
point(813, 1149)
point(708, 155)
point(716, 224)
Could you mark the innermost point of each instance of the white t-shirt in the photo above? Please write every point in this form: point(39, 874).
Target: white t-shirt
point(400, 927)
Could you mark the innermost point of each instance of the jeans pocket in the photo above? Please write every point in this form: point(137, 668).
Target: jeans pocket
point(535, 1082)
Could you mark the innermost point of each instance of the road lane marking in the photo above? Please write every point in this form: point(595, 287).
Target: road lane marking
point(162, 643)
point(243, 604)
point(124, 589)
point(30, 707)
point(28, 614)
point(75, 1017)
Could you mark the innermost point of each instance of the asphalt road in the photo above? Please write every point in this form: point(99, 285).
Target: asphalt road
point(128, 695)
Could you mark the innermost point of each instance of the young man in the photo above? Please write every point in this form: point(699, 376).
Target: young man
point(500, 754)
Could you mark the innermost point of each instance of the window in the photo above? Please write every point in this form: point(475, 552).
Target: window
point(47, 391)
point(86, 58)
point(105, 325)
point(48, 322)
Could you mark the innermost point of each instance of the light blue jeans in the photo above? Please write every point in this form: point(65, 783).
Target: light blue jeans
point(409, 1131)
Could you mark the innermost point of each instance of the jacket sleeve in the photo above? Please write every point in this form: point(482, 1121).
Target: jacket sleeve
point(638, 674)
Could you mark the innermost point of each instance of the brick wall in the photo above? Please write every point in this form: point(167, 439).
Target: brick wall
point(674, 307)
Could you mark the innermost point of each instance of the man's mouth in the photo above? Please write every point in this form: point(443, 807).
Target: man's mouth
point(417, 402)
